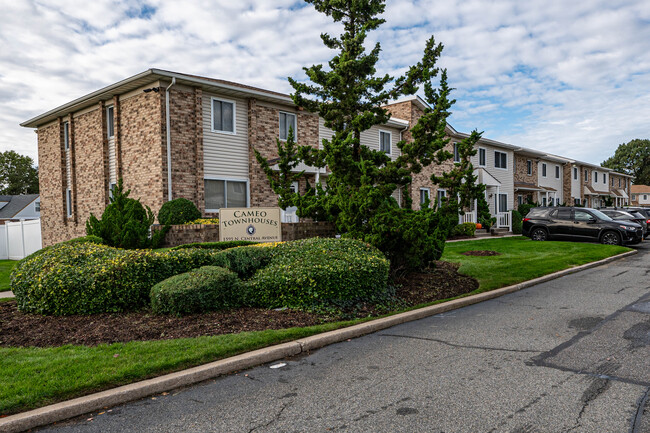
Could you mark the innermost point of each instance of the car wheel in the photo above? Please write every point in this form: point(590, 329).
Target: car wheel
point(610, 238)
point(539, 234)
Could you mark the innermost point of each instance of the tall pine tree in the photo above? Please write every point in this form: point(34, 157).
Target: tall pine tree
point(349, 95)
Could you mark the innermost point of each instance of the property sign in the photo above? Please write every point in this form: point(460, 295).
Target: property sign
point(259, 224)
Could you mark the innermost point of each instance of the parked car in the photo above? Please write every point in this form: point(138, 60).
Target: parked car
point(627, 215)
point(578, 223)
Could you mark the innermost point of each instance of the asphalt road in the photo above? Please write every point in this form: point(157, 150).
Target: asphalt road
point(570, 355)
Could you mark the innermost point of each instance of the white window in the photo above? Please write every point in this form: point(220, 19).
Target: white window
point(605, 178)
point(68, 202)
point(111, 189)
point(223, 116)
point(595, 177)
point(575, 173)
point(529, 167)
point(633, 196)
point(456, 153)
point(586, 175)
point(440, 195)
point(425, 194)
point(287, 121)
point(543, 170)
point(520, 200)
point(37, 206)
point(503, 203)
point(481, 157)
point(221, 193)
point(557, 171)
point(500, 159)
point(66, 135)
point(385, 142)
point(110, 121)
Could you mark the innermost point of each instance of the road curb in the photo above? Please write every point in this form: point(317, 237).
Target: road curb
point(123, 394)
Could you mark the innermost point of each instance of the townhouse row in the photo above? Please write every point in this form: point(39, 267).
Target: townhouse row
point(171, 135)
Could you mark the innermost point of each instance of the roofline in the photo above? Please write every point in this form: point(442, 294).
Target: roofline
point(79, 103)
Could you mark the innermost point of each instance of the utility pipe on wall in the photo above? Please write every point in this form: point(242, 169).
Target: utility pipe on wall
point(169, 141)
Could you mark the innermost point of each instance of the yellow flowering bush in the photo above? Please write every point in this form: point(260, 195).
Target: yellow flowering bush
point(203, 221)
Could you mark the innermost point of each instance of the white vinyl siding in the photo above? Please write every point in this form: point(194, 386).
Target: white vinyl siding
point(599, 182)
point(225, 155)
point(504, 176)
point(112, 166)
point(554, 182)
point(576, 183)
point(369, 138)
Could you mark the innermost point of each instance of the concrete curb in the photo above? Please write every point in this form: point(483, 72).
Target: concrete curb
point(8, 294)
point(123, 394)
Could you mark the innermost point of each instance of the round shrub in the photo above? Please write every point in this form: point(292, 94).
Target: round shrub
point(319, 271)
point(178, 211)
point(86, 278)
point(464, 229)
point(207, 288)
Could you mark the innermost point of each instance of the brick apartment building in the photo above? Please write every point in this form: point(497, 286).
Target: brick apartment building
point(171, 135)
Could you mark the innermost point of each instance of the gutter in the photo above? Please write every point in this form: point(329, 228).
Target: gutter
point(169, 141)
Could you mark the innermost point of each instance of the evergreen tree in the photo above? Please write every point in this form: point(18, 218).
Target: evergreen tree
point(349, 95)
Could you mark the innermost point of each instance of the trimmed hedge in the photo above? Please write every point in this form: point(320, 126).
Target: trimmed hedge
point(517, 222)
point(178, 211)
point(215, 245)
point(317, 271)
point(207, 288)
point(86, 278)
point(464, 229)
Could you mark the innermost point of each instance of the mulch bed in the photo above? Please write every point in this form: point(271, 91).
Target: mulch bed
point(23, 330)
point(481, 253)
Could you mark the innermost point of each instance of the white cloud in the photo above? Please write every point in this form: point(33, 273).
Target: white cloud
point(572, 78)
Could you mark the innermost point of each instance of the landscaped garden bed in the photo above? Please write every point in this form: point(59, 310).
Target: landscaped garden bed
point(76, 354)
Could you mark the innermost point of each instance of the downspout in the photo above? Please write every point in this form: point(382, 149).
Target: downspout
point(169, 141)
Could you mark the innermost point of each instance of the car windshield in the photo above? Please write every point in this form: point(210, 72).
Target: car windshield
point(598, 214)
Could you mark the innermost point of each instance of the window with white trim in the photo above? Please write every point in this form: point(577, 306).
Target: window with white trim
point(575, 173)
point(481, 157)
point(503, 203)
point(529, 167)
point(66, 135)
point(68, 202)
point(557, 171)
point(586, 175)
point(220, 193)
point(605, 178)
point(111, 189)
point(37, 206)
point(440, 194)
point(577, 201)
point(543, 170)
point(500, 159)
point(595, 176)
point(287, 121)
point(110, 121)
point(384, 142)
point(223, 116)
point(619, 182)
point(520, 199)
point(425, 195)
point(456, 153)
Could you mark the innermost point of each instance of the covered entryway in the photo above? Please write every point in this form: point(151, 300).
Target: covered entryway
point(496, 198)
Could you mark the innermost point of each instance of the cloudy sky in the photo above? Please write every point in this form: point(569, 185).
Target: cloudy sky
point(571, 78)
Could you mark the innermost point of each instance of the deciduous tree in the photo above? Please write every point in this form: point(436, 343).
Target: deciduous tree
point(632, 158)
point(18, 175)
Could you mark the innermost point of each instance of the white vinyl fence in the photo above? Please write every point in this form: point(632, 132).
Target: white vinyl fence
point(20, 239)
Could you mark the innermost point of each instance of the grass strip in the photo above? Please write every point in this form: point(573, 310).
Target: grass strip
point(34, 377)
point(5, 270)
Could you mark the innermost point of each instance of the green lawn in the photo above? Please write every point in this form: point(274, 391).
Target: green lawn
point(522, 259)
point(33, 377)
point(5, 270)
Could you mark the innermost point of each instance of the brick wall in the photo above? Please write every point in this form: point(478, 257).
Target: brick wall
point(186, 145)
point(521, 170)
point(193, 233)
point(143, 148)
point(51, 161)
point(567, 173)
point(264, 128)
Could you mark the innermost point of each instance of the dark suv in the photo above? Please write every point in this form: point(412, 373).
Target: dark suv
point(578, 223)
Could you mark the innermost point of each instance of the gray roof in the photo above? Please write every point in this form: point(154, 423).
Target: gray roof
point(16, 204)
